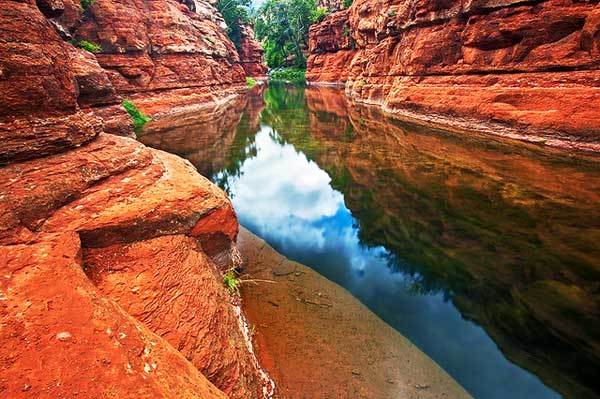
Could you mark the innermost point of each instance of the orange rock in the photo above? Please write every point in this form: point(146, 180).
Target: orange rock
point(161, 44)
point(172, 287)
point(61, 337)
point(251, 53)
point(523, 66)
point(149, 213)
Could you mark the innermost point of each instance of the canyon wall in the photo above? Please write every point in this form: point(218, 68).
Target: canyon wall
point(112, 253)
point(523, 69)
point(163, 54)
point(251, 54)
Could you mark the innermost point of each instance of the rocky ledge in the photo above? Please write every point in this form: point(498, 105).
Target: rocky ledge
point(112, 253)
point(112, 256)
point(515, 68)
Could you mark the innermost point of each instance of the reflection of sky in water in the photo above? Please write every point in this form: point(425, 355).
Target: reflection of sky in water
point(286, 199)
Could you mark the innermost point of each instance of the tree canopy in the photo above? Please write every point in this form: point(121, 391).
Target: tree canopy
point(282, 27)
point(235, 13)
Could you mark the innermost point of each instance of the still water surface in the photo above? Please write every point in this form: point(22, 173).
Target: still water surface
point(483, 254)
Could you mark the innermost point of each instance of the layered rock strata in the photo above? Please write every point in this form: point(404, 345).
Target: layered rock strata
point(526, 69)
point(112, 252)
point(251, 54)
point(163, 54)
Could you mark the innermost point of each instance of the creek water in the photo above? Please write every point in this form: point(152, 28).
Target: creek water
point(483, 253)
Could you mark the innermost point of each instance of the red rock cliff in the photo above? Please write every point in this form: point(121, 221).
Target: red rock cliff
point(111, 252)
point(251, 54)
point(518, 68)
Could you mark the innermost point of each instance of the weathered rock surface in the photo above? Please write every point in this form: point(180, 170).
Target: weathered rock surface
point(529, 66)
point(160, 53)
point(251, 54)
point(61, 337)
point(73, 198)
point(149, 213)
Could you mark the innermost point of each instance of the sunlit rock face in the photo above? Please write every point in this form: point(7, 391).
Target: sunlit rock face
point(79, 206)
point(527, 66)
point(160, 44)
point(165, 54)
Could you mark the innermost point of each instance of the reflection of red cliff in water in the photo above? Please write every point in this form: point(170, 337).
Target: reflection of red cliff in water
point(510, 230)
point(513, 68)
point(203, 137)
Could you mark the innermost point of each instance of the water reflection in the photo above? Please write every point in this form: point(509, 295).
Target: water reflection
point(463, 245)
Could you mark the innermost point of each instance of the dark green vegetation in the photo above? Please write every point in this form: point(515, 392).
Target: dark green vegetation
point(86, 45)
point(347, 3)
point(235, 14)
point(291, 74)
point(85, 4)
point(138, 117)
point(282, 27)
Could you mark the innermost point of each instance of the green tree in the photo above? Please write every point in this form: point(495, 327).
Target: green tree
point(235, 14)
point(282, 26)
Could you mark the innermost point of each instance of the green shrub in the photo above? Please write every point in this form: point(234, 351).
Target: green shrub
point(85, 4)
point(347, 3)
point(250, 82)
point(235, 14)
point(288, 74)
point(318, 14)
point(87, 46)
point(138, 117)
point(232, 282)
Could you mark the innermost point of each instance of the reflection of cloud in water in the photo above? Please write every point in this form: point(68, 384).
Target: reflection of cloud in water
point(287, 200)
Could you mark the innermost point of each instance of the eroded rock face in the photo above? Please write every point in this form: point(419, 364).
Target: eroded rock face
point(148, 211)
point(68, 189)
point(251, 54)
point(62, 337)
point(528, 66)
point(161, 44)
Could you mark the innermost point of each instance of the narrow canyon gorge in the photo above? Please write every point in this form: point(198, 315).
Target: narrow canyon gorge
point(114, 241)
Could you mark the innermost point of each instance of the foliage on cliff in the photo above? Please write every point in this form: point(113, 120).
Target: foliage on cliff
point(282, 27)
point(235, 14)
point(138, 117)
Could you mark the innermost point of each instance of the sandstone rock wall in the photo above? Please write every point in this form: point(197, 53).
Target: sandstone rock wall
point(112, 253)
point(174, 53)
point(529, 66)
point(251, 54)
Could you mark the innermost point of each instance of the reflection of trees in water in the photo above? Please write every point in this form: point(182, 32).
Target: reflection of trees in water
point(459, 217)
point(242, 148)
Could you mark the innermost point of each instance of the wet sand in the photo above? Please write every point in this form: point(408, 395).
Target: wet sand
point(317, 341)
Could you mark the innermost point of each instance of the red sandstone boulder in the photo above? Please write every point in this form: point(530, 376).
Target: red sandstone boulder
point(146, 219)
point(61, 337)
